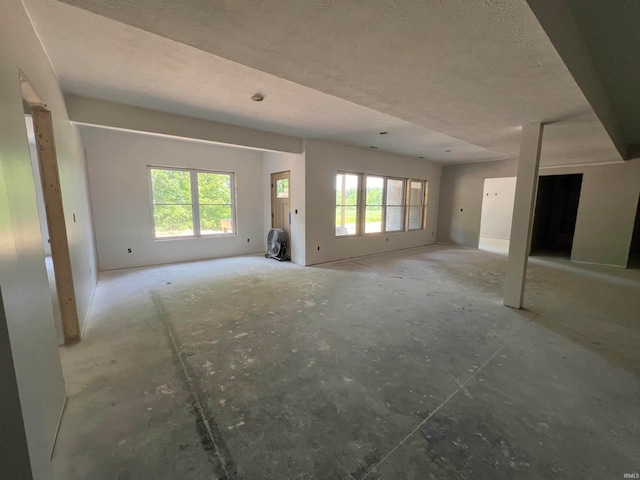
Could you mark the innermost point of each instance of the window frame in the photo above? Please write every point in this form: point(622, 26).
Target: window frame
point(195, 203)
point(382, 203)
point(358, 205)
point(385, 205)
point(403, 205)
point(423, 205)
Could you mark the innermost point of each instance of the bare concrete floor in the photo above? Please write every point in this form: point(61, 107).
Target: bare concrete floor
point(398, 366)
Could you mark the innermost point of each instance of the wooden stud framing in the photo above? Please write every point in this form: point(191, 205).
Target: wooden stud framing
point(48, 162)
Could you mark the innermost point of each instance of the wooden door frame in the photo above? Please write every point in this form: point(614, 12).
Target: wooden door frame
point(273, 197)
point(52, 193)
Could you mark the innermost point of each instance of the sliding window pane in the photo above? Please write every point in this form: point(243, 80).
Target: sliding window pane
point(374, 190)
point(394, 219)
point(394, 205)
point(416, 205)
point(346, 220)
point(173, 220)
point(373, 220)
point(415, 217)
point(416, 193)
point(395, 192)
point(172, 187)
point(216, 219)
point(373, 210)
point(214, 188)
point(347, 187)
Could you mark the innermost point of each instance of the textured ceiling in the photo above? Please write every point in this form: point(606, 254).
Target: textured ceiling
point(124, 64)
point(472, 69)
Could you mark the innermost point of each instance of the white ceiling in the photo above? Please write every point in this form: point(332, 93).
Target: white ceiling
point(471, 69)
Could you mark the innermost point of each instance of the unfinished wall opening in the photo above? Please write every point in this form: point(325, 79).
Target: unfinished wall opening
point(555, 216)
point(497, 211)
point(56, 231)
point(634, 248)
point(44, 229)
point(281, 204)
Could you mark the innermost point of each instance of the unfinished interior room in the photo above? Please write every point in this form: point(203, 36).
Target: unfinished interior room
point(279, 239)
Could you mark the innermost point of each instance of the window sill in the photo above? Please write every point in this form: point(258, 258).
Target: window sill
point(193, 237)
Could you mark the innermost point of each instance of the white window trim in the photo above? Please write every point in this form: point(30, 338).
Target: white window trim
point(359, 210)
point(362, 204)
point(423, 204)
point(195, 203)
point(403, 205)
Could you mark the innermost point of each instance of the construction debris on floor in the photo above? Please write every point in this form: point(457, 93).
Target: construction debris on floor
point(398, 366)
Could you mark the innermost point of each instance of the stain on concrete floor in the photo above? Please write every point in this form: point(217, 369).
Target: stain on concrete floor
point(403, 365)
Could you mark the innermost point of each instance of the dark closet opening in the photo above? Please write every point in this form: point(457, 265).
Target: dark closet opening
point(634, 249)
point(555, 216)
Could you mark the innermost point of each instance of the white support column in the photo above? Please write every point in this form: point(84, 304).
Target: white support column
point(524, 204)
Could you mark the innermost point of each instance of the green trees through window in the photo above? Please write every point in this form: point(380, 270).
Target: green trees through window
point(192, 202)
point(388, 204)
point(373, 208)
point(347, 187)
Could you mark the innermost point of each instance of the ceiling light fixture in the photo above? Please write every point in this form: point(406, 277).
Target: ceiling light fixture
point(383, 133)
point(257, 97)
point(375, 148)
point(447, 151)
point(421, 157)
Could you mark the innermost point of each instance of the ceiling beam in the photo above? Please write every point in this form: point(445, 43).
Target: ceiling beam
point(559, 24)
point(88, 111)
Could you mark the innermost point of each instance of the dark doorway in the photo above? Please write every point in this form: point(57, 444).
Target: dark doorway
point(555, 217)
point(634, 249)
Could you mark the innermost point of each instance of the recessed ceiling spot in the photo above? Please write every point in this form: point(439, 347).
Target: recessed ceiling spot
point(383, 133)
point(257, 97)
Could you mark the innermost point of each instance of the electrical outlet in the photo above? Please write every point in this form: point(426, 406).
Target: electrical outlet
point(128, 250)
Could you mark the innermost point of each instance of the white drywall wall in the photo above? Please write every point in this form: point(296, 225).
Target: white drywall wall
point(23, 277)
point(323, 160)
point(497, 213)
point(279, 162)
point(121, 197)
point(606, 212)
point(461, 190)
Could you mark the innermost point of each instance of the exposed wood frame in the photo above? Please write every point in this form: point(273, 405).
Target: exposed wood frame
point(48, 163)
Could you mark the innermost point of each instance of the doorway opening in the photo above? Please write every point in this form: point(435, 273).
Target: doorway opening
point(555, 216)
point(634, 248)
point(281, 204)
point(44, 229)
point(497, 213)
point(47, 182)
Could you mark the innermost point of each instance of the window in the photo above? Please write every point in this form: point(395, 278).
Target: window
point(417, 201)
point(189, 203)
point(347, 192)
point(282, 188)
point(389, 204)
point(394, 205)
point(384, 210)
point(373, 206)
